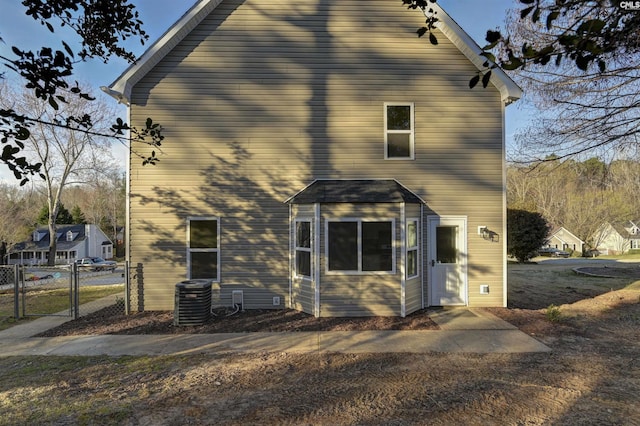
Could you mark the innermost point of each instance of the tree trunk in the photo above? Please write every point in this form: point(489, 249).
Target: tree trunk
point(3, 254)
point(52, 243)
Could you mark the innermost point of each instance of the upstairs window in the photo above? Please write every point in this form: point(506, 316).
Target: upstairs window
point(398, 131)
point(203, 248)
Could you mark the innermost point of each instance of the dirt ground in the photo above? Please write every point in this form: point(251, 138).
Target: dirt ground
point(106, 321)
point(592, 375)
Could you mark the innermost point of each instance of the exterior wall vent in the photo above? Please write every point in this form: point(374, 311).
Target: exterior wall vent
point(237, 298)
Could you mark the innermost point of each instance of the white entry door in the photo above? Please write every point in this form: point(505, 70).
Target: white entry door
point(447, 260)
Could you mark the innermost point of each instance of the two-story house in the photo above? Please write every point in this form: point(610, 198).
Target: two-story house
point(72, 242)
point(618, 237)
point(319, 156)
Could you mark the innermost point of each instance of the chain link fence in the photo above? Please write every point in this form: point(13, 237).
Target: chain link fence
point(135, 296)
point(64, 290)
point(45, 291)
point(9, 297)
point(101, 291)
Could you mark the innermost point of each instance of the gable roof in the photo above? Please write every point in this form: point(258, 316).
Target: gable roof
point(558, 233)
point(622, 228)
point(121, 88)
point(354, 191)
point(78, 233)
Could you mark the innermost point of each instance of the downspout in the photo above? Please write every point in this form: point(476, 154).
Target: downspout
point(122, 99)
point(291, 255)
point(421, 256)
point(403, 261)
point(316, 259)
point(504, 208)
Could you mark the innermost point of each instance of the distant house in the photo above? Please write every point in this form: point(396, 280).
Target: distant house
point(561, 238)
point(319, 156)
point(618, 238)
point(72, 242)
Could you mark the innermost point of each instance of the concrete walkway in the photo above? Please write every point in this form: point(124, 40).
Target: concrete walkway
point(461, 330)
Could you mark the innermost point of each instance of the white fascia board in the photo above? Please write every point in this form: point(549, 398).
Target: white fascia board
point(121, 88)
point(509, 90)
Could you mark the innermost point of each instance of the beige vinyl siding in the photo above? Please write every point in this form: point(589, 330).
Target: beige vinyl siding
point(413, 295)
point(364, 293)
point(264, 97)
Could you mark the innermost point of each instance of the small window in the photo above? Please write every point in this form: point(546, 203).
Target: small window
point(203, 248)
point(303, 248)
point(69, 236)
point(446, 244)
point(399, 131)
point(412, 248)
point(358, 246)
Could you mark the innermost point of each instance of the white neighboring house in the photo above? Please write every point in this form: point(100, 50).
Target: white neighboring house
point(561, 238)
point(618, 238)
point(72, 242)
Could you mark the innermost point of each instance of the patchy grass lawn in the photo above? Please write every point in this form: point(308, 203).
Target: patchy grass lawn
point(48, 300)
point(536, 286)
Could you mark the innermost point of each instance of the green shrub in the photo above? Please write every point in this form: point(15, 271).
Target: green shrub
point(526, 233)
point(553, 314)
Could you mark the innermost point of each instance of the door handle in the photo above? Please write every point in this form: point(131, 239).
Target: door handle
point(433, 262)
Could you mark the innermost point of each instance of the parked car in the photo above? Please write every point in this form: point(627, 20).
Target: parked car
point(96, 264)
point(593, 253)
point(553, 252)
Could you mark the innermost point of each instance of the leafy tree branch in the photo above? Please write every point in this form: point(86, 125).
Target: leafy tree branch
point(102, 27)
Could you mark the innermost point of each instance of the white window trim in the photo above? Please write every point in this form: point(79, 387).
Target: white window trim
point(411, 132)
point(360, 221)
point(415, 248)
point(297, 248)
point(202, 250)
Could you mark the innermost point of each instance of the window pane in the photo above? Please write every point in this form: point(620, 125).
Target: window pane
point(412, 234)
point(203, 234)
point(398, 145)
point(446, 249)
point(377, 251)
point(303, 234)
point(399, 117)
point(412, 263)
point(303, 263)
point(343, 246)
point(204, 265)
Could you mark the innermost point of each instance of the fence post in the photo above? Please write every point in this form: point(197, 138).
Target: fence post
point(16, 291)
point(127, 289)
point(75, 290)
point(23, 289)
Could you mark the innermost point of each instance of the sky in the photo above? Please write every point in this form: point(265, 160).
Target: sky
point(16, 29)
